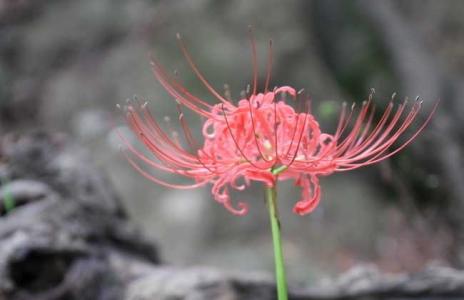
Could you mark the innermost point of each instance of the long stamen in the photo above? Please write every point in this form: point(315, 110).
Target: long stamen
point(255, 135)
point(294, 131)
point(155, 132)
point(190, 139)
point(382, 145)
point(198, 73)
point(389, 128)
point(347, 120)
point(378, 155)
point(172, 162)
point(367, 127)
point(341, 121)
point(235, 140)
point(375, 132)
point(364, 128)
point(269, 68)
point(254, 59)
point(275, 131)
point(344, 145)
point(166, 157)
point(407, 123)
point(159, 181)
point(301, 136)
point(168, 152)
point(147, 160)
point(187, 171)
point(177, 90)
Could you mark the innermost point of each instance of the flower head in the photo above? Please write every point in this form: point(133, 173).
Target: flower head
point(263, 138)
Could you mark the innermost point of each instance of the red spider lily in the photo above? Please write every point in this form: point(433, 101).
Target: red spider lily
point(262, 138)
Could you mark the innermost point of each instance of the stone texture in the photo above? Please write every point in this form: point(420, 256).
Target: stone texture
point(67, 236)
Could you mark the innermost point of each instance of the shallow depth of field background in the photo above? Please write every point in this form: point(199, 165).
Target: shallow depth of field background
point(64, 65)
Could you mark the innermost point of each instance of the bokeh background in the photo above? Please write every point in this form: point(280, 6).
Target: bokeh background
point(64, 65)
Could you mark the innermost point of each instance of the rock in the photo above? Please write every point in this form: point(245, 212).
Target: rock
point(199, 284)
point(67, 236)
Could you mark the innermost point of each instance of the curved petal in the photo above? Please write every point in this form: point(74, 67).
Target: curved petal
point(286, 89)
point(221, 194)
point(240, 211)
point(310, 194)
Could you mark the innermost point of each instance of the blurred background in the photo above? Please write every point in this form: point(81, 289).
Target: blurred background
point(64, 65)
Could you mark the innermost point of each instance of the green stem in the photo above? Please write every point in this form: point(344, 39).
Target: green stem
point(281, 279)
point(8, 201)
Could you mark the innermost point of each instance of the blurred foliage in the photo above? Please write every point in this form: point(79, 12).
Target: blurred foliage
point(352, 50)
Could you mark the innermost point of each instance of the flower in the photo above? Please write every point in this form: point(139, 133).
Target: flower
point(263, 138)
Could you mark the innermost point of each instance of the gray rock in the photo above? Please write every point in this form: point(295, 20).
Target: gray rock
point(67, 236)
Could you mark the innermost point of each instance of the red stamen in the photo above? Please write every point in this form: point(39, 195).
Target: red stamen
point(254, 59)
point(198, 73)
point(269, 68)
point(236, 143)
